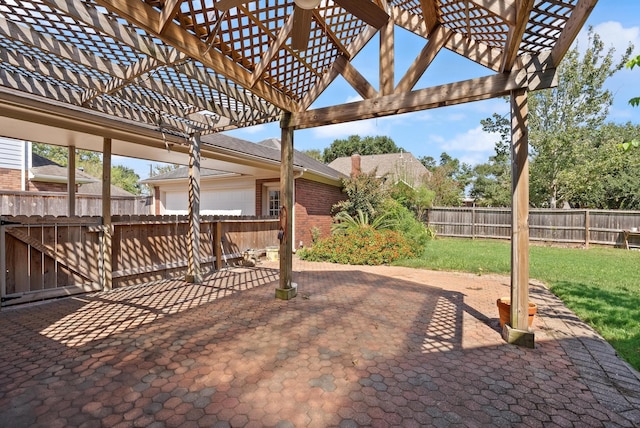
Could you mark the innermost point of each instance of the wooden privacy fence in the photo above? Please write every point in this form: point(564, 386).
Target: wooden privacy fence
point(550, 225)
point(56, 204)
point(46, 257)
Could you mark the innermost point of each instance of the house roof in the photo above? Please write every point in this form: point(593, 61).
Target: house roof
point(264, 151)
point(46, 170)
point(389, 163)
point(95, 188)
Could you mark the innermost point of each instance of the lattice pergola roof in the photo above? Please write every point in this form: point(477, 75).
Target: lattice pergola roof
point(176, 67)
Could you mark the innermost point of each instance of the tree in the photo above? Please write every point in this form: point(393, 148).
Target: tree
point(447, 180)
point(363, 146)
point(366, 194)
point(561, 119)
point(492, 180)
point(314, 153)
point(618, 183)
point(635, 101)
point(91, 163)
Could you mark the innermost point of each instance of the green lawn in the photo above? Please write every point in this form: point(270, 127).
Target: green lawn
point(601, 285)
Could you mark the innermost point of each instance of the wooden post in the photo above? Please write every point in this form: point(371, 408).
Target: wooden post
point(518, 332)
point(194, 273)
point(387, 60)
point(71, 181)
point(287, 289)
point(217, 243)
point(3, 262)
point(107, 229)
point(587, 221)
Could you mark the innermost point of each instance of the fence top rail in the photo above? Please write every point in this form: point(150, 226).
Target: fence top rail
point(541, 210)
point(172, 219)
point(50, 219)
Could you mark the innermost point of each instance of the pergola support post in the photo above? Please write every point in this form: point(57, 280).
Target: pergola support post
point(194, 274)
point(286, 289)
point(517, 331)
point(71, 181)
point(107, 228)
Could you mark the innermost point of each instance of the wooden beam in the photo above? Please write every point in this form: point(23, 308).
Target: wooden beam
point(354, 78)
point(504, 9)
point(475, 51)
point(141, 14)
point(274, 47)
point(194, 273)
point(429, 14)
point(438, 96)
point(327, 78)
point(579, 15)
point(387, 58)
point(169, 10)
point(286, 289)
point(424, 59)
point(516, 31)
point(519, 210)
point(62, 50)
point(103, 24)
point(107, 228)
point(481, 53)
point(71, 180)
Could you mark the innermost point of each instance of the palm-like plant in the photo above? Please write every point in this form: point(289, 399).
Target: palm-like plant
point(343, 222)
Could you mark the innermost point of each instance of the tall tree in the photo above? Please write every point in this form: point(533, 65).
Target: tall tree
point(562, 118)
point(447, 180)
point(492, 180)
point(363, 146)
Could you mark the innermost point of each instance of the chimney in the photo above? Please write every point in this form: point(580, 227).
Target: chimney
point(355, 165)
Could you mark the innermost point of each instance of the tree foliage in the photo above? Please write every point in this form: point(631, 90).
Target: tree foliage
point(365, 194)
point(447, 180)
point(562, 119)
point(91, 164)
point(492, 180)
point(363, 146)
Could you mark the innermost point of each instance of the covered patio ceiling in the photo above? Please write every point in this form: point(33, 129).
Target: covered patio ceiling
point(149, 73)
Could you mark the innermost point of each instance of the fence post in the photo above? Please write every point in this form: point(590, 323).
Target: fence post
point(473, 222)
point(587, 220)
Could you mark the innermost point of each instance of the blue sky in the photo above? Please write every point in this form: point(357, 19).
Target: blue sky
point(456, 129)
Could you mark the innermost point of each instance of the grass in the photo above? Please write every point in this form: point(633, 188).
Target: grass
point(601, 285)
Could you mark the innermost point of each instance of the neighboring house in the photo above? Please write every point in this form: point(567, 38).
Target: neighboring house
point(395, 167)
point(23, 170)
point(27, 179)
point(256, 191)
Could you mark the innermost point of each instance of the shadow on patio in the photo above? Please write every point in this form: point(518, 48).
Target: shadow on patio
point(358, 346)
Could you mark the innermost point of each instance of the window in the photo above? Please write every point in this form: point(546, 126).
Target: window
point(274, 202)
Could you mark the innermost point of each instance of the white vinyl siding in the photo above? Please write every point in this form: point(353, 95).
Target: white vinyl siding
point(12, 153)
point(239, 201)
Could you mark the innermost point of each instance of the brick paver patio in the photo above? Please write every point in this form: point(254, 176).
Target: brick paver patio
point(359, 346)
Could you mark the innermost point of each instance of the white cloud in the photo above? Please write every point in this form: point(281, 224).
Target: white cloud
point(474, 140)
point(613, 34)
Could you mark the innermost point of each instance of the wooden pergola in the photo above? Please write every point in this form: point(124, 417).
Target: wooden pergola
point(139, 77)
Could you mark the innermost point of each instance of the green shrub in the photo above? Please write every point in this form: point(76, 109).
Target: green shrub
point(362, 246)
point(414, 231)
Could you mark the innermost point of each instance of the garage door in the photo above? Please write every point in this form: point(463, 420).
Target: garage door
point(214, 202)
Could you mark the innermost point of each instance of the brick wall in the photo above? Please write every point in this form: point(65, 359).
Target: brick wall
point(313, 208)
point(10, 179)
